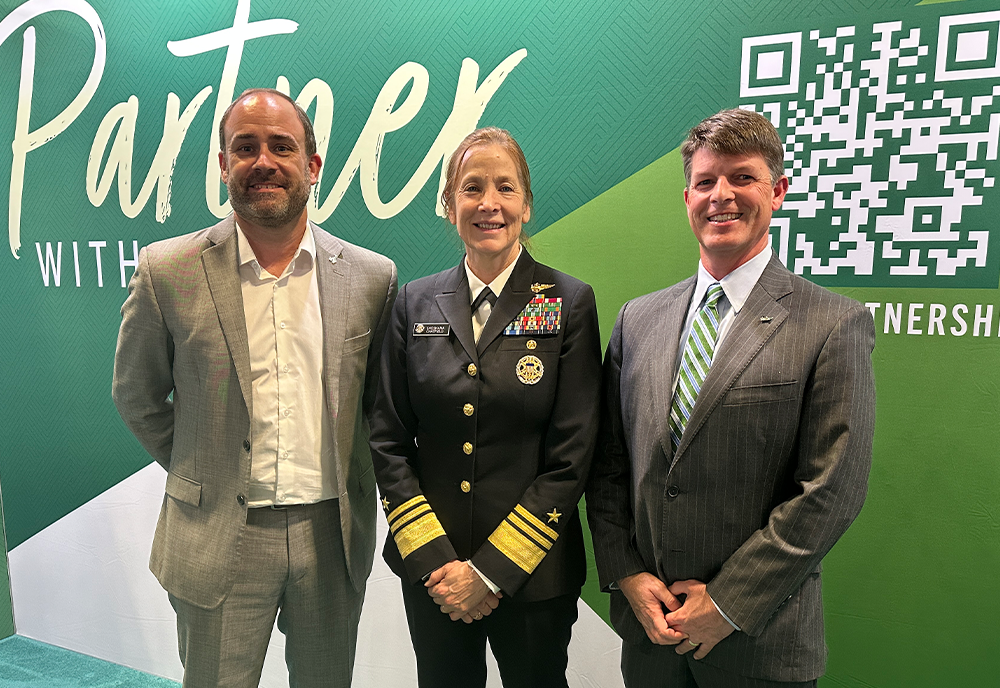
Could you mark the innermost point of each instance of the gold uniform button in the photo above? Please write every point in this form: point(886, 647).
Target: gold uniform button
point(469, 409)
point(467, 448)
point(472, 369)
point(466, 486)
point(531, 344)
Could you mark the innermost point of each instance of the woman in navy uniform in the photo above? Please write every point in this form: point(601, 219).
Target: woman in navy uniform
point(482, 436)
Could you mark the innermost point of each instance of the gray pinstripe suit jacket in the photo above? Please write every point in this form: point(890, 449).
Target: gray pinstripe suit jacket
point(183, 334)
point(770, 472)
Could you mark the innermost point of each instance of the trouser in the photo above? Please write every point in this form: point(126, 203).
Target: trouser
point(291, 567)
point(529, 641)
point(659, 666)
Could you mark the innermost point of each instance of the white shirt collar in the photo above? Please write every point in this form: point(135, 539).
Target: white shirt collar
point(307, 246)
point(476, 285)
point(738, 284)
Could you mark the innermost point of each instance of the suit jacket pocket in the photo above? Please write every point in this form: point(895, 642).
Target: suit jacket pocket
point(183, 489)
point(762, 394)
point(352, 344)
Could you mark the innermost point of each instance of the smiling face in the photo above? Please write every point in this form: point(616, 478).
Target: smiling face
point(488, 206)
point(729, 201)
point(265, 165)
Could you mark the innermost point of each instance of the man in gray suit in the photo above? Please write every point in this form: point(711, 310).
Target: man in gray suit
point(247, 364)
point(736, 440)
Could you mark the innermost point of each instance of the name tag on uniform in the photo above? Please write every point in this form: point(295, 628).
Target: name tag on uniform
point(431, 329)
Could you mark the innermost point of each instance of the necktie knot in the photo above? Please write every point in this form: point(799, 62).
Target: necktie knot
point(713, 295)
point(485, 295)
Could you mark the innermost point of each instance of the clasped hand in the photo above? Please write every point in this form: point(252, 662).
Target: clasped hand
point(461, 593)
point(668, 621)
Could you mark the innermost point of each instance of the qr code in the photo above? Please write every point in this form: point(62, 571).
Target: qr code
point(890, 136)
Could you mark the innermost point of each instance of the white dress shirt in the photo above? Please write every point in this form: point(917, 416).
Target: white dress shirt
point(476, 285)
point(292, 458)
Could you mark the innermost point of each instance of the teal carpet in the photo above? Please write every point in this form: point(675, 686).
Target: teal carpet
point(26, 663)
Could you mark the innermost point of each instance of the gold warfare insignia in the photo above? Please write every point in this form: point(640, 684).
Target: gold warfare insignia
point(530, 370)
point(554, 515)
point(536, 287)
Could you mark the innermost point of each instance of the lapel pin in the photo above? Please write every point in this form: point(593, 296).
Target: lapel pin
point(766, 318)
point(333, 260)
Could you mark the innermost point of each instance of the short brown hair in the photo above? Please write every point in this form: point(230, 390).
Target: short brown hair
point(485, 137)
point(303, 118)
point(736, 132)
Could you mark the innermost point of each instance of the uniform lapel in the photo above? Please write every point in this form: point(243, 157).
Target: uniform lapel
point(456, 307)
point(667, 334)
point(333, 275)
point(757, 322)
point(515, 296)
point(221, 263)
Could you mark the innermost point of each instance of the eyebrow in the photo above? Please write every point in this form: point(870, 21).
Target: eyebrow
point(247, 136)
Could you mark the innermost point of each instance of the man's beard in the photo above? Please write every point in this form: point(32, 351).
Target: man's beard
point(265, 211)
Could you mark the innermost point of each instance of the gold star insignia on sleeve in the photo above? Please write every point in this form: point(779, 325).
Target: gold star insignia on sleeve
point(554, 515)
point(385, 503)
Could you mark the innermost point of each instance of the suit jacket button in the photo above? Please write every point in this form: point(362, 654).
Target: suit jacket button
point(466, 486)
point(246, 445)
point(241, 500)
point(673, 491)
point(468, 409)
point(467, 448)
point(472, 369)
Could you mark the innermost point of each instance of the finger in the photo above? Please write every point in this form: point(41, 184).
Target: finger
point(492, 601)
point(437, 575)
point(687, 646)
point(703, 650)
point(464, 617)
point(683, 587)
point(484, 610)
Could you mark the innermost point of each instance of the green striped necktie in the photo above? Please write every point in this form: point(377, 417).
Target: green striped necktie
point(698, 353)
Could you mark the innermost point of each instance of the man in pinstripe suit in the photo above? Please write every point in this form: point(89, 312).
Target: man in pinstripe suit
point(710, 521)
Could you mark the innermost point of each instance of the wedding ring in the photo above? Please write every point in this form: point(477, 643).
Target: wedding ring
point(693, 644)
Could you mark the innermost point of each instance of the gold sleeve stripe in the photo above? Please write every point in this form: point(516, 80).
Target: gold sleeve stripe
point(530, 532)
point(416, 534)
point(515, 546)
point(530, 518)
point(409, 517)
point(404, 506)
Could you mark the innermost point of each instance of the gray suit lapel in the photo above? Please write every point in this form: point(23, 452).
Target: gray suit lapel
point(457, 310)
point(661, 368)
point(221, 262)
point(759, 319)
point(333, 278)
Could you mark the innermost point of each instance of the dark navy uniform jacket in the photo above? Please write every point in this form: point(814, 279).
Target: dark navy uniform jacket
point(474, 459)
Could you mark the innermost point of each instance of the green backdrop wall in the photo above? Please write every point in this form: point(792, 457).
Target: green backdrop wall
point(890, 112)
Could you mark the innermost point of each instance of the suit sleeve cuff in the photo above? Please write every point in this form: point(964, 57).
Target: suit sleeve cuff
point(724, 615)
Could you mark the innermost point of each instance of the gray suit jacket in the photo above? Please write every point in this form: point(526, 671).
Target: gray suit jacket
point(182, 385)
point(770, 472)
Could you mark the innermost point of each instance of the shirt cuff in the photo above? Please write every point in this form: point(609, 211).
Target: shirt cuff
point(719, 609)
point(490, 584)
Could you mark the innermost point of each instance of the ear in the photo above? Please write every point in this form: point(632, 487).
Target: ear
point(780, 189)
point(450, 208)
point(687, 201)
point(526, 215)
point(224, 169)
point(315, 163)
